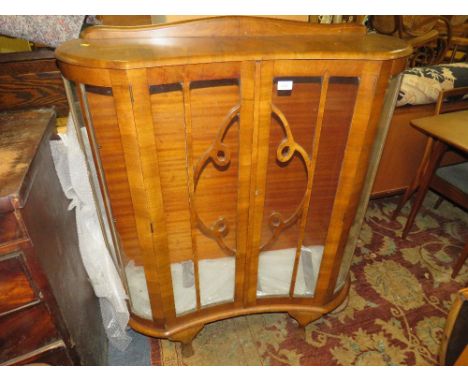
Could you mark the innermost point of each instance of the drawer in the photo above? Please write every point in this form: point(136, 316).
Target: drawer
point(10, 229)
point(25, 331)
point(55, 355)
point(16, 289)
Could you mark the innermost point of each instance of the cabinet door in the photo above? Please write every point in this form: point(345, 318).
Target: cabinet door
point(196, 182)
point(312, 125)
point(173, 148)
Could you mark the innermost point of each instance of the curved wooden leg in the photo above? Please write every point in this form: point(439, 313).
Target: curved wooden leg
point(187, 350)
point(461, 260)
point(186, 337)
point(305, 318)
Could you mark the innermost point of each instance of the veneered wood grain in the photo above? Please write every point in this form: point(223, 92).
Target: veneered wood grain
point(10, 228)
point(31, 79)
point(55, 354)
point(33, 90)
point(15, 285)
point(26, 331)
point(226, 39)
point(131, 150)
point(169, 128)
point(157, 268)
point(258, 182)
point(287, 182)
point(106, 127)
point(339, 109)
point(176, 51)
point(19, 145)
point(223, 26)
point(246, 147)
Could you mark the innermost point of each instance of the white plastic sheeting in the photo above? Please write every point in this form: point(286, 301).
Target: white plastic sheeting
point(275, 270)
point(138, 290)
point(217, 279)
point(70, 164)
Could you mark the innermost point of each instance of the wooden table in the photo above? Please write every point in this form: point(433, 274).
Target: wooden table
point(447, 130)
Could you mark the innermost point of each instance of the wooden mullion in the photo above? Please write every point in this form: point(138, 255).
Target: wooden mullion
point(260, 150)
point(131, 150)
point(311, 172)
point(247, 87)
point(160, 258)
point(191, 184)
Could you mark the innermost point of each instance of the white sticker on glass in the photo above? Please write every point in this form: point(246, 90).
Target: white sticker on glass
point(285, 85)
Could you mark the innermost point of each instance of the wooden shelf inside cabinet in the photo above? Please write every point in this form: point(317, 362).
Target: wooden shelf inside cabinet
point(231, 155)
point(48, 310)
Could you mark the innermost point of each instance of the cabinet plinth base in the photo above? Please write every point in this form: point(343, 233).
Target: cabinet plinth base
point(187, 327)
point(305, 318)
point(187, 335)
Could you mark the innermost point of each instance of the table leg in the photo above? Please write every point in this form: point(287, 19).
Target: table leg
point(437, 152)
point(417, 178)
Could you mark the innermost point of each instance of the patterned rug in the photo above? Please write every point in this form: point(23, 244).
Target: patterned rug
point(400, 296)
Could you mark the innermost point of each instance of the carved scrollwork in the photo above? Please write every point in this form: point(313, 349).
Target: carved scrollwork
point(220, 155)
point(284, 153)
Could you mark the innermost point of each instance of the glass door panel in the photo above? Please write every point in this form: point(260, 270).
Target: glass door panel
point(197, 126)
point(215, 108)
point(295, 104)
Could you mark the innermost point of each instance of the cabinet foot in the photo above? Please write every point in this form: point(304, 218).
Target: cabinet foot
point(185, 337)
point(187, 350)
point(305, 318)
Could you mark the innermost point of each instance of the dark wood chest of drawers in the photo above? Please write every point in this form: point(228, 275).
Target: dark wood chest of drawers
point(48, 311)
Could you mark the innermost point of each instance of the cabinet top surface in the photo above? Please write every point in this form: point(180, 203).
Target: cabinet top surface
point(21, 133)
point(226, 39)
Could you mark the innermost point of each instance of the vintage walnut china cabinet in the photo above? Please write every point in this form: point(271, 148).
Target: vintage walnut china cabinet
point(232, 155)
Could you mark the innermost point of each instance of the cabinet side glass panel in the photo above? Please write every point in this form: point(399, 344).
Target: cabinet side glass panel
point(102, 112)
point(337, 116)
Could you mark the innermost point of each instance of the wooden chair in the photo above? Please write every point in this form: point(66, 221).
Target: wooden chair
point(444, 185)
point(454, 345)
point(458, 49)
point(461, 260)
point(430, 36)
